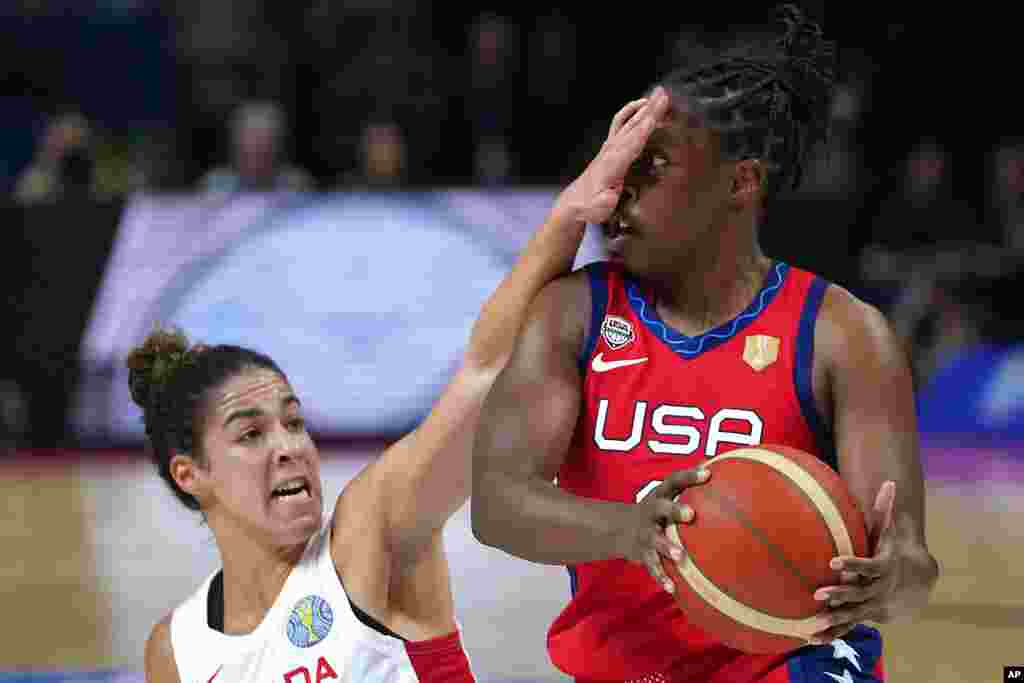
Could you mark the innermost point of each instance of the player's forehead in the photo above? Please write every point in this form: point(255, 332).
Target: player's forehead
point(251, 387)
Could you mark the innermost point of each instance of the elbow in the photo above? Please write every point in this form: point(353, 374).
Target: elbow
point(933, 572)
point(483, 513)
point(481, 525)
point(481, 532)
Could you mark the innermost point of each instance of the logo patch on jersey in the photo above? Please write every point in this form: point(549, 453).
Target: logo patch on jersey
point(617, 332)
point(310, 621)
point(760, 351)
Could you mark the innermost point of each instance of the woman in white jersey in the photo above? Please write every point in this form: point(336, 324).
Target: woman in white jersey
point(364, 596)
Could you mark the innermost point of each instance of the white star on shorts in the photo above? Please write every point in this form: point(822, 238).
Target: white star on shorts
point(845, 678)
point(842, 650)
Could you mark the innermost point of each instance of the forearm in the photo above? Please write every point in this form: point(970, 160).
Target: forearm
point(549, 254)
point(536, 521)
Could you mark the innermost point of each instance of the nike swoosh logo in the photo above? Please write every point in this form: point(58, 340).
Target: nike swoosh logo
point(215, 673)
point(601, 365)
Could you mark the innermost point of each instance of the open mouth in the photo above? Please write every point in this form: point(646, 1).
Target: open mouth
point(292, 488)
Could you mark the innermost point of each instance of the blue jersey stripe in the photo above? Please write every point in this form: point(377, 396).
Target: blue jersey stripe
point(803, 372)
point(597, 275)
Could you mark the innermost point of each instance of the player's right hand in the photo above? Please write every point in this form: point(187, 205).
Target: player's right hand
point(643, 539)
point(593, 196)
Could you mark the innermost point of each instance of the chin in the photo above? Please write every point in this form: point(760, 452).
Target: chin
point(298, 529)
point(298, 533)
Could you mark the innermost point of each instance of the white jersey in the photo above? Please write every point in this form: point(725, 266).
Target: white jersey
point(309, 635)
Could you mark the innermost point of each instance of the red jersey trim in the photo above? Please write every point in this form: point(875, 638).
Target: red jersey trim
point(439, 660)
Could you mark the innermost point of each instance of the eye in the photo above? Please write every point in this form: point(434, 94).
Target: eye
point(658, 161)
point(250, 435)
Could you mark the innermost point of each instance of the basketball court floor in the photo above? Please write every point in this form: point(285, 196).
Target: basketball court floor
point(96, 550)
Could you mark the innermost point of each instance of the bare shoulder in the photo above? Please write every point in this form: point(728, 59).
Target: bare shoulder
point(160, 666)
point(562, 309)
point(849, 329)
point(357, 512)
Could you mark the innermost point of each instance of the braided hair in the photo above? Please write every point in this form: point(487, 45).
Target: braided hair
point(769, 104)
point(169, 379)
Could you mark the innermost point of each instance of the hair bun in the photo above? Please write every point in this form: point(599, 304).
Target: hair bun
point(154, 362)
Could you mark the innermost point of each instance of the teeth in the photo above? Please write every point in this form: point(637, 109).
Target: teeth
point(298, 482)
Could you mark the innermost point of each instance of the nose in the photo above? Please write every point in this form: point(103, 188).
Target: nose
point(285, 446)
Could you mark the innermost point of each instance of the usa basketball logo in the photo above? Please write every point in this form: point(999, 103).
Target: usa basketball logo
point(617, 332)
point(310, 621)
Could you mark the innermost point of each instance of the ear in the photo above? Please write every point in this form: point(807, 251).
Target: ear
point(187, 474)
point(748, 182)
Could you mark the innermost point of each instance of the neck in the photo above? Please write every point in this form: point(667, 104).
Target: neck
point(254, 575)
point(715, 283)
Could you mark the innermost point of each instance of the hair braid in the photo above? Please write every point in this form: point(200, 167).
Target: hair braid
point(771, 105)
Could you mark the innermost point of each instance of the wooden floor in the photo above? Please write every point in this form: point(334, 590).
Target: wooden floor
point(60, 606)
point(975, 623)
point(58, 612)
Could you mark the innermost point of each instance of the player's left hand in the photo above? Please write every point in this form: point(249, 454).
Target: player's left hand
point(870, 586)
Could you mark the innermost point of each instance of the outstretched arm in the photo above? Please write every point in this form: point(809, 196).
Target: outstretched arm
point(424, 478)
point(426, 473)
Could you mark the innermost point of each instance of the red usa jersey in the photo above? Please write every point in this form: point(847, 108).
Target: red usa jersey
point(656, 401)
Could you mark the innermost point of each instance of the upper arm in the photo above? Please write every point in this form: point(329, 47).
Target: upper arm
point(160, 666)
point(873, 408)
point(530, 413)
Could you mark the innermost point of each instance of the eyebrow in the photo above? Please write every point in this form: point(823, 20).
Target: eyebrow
point(256, 412)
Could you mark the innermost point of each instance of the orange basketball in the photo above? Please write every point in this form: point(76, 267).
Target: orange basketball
point(767, 523)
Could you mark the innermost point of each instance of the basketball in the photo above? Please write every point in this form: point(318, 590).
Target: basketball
point(767, 524)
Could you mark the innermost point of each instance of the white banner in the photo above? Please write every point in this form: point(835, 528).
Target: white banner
point(365, 300)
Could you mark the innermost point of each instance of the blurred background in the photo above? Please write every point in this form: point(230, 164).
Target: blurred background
point(342, 183)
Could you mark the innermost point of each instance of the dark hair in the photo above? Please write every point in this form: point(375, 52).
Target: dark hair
point(770, 104)
point(169, 380)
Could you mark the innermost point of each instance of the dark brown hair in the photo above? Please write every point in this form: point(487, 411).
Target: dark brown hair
point(169, 379)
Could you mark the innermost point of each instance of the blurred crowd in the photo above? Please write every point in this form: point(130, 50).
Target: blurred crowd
point(123, 96)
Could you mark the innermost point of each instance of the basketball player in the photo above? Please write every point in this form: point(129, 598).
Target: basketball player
point(689, 343)
point(366, 596)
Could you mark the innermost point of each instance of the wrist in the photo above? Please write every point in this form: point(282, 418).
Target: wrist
point(620, 530)
point(567, 211)
point(918, 574)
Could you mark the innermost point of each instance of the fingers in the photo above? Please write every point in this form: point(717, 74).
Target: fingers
point(641, 125)
point(884, 503)
point(843, 620)
point(640, 116)
point(681, 479)
point(660, 546)
point(835, 597)
point(652, 561)
point(871, 568)
point(665, 511)
point(625, 114)
point(668, 548)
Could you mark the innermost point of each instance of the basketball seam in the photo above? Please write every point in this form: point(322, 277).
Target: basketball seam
point(774, 549)
point(814, 506)
point(743, 614)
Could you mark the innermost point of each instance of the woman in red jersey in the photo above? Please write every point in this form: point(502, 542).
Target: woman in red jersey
point(691, 342)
